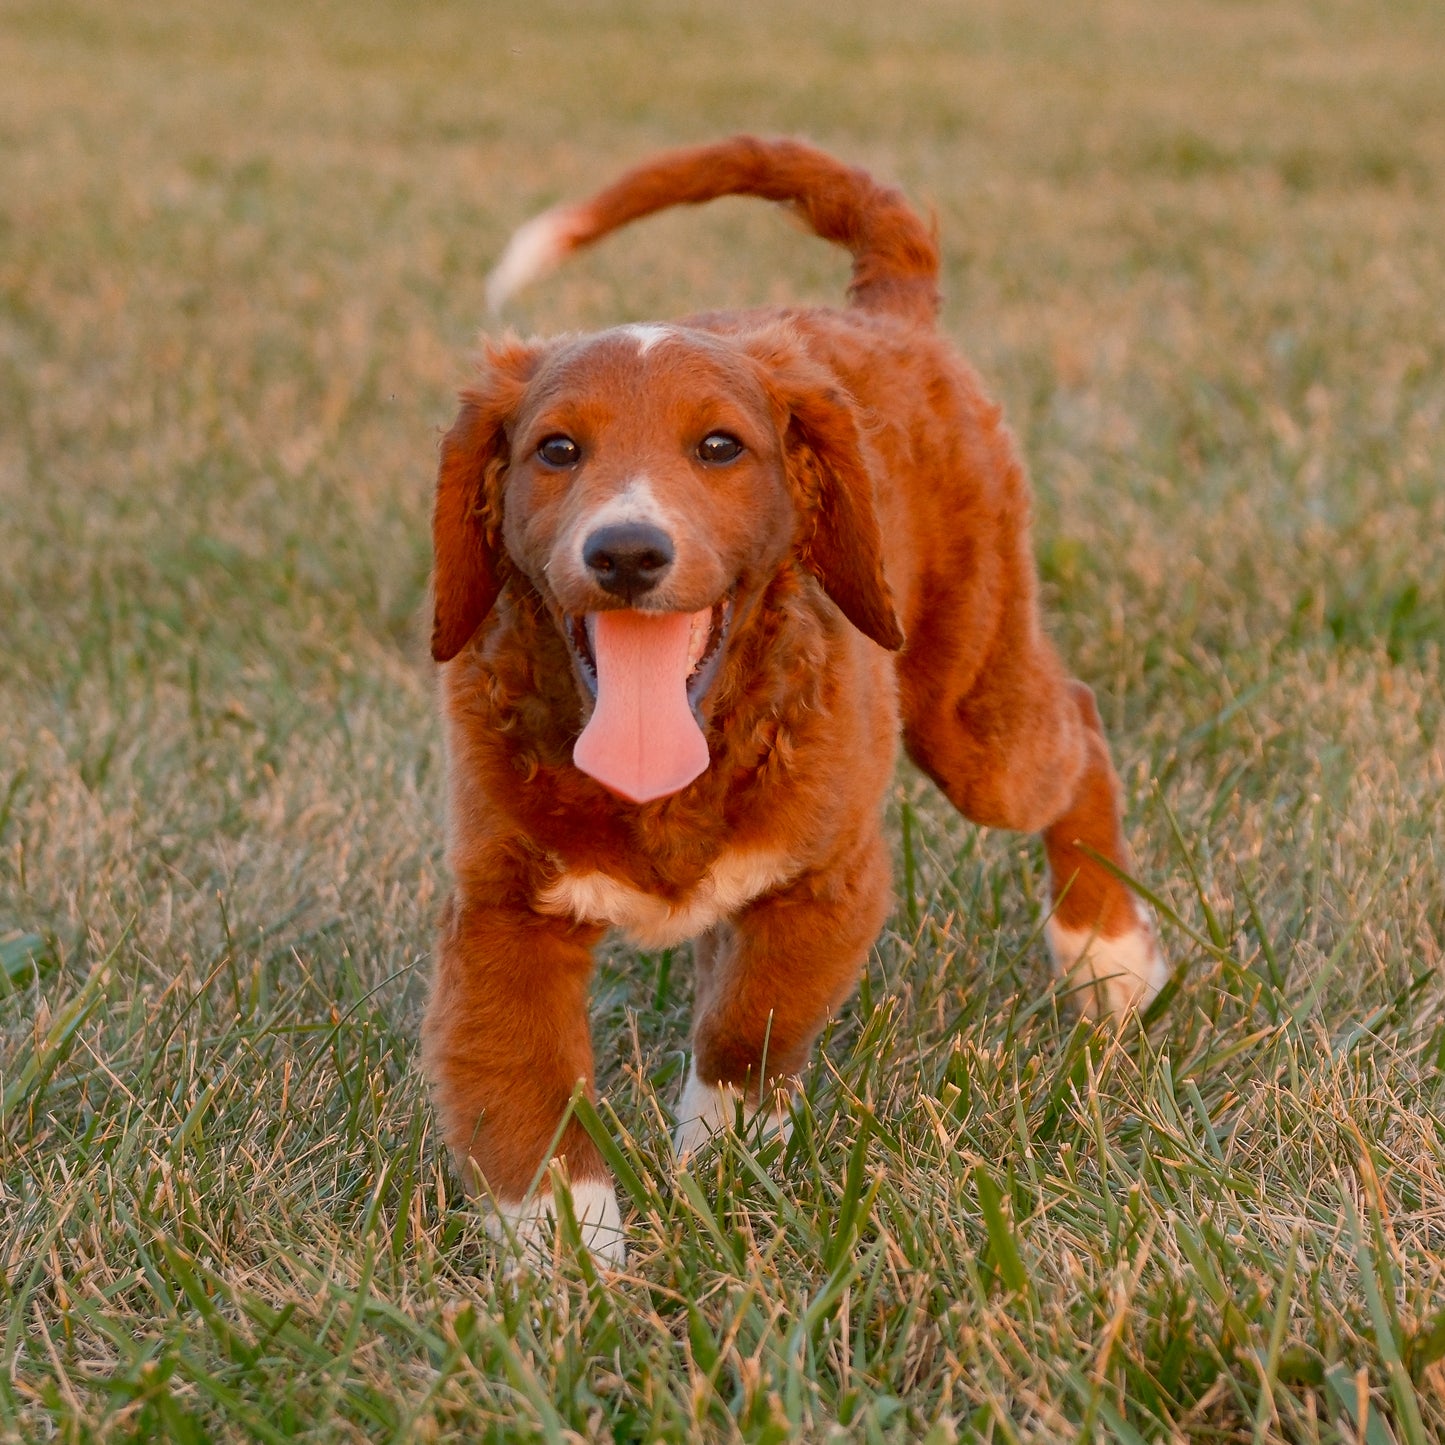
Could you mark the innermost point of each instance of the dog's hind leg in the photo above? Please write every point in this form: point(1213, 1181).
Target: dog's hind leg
point(1020, 746)
point(767, 982)
point(1100, 932)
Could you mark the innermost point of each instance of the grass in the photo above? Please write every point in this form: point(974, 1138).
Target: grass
point(1198, 251)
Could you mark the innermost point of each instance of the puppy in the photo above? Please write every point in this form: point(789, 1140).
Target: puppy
point(693, 581)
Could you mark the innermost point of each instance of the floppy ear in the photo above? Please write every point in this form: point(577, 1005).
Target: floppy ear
point(467, 518)
point(845, 552)
point(826, 459)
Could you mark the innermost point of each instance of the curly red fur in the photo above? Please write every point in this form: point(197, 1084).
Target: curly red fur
point(871, 549)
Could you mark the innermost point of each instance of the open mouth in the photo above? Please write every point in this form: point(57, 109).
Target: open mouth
point(704, 649)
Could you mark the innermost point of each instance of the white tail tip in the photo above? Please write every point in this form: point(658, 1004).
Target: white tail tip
point(535, 249)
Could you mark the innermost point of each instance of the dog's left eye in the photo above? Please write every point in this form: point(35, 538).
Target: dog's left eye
point(719, 447)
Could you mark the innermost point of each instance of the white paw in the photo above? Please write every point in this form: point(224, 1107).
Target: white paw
point(707, 1109)
point(1125, 972)
point(534, 1220)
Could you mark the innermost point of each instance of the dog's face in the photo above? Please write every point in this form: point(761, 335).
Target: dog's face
point(646, 472)
point(655, 470)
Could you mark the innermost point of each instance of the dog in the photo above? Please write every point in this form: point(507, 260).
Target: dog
point(693, 581)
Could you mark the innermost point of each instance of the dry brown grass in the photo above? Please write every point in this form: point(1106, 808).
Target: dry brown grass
point(1198, 249)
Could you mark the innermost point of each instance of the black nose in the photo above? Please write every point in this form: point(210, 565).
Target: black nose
point(629, 558)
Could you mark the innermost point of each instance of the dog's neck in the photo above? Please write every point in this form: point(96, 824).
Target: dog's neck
point(769, 692)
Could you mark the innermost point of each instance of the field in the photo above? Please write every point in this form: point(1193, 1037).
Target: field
point(1198, 250)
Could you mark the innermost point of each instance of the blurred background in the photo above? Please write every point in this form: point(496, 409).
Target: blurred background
point(1197, 249)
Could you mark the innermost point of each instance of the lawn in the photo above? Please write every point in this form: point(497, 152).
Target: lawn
point(1198, 250)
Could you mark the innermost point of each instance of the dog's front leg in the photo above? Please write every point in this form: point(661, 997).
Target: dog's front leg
point(768, 981)
point(505, 1041)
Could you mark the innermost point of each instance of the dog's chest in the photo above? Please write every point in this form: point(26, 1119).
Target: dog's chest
point(649, 921)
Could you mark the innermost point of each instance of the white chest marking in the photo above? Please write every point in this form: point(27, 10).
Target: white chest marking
point(652, 922)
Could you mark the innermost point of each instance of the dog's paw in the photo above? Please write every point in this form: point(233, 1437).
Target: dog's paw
point(706, 1110)
point(533, 1222)
point(1115, 975)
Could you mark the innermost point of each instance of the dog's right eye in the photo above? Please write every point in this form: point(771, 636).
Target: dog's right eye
point(559, 451)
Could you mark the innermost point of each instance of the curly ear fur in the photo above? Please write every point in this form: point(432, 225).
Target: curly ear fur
point(467, 518)
point(827, 468)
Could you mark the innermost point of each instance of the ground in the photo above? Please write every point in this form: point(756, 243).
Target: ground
point(1199, 252)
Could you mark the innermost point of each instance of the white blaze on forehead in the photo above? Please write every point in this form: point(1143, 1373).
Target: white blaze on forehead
point(646, 336)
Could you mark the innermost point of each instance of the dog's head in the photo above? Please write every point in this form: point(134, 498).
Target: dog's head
point(653, 480)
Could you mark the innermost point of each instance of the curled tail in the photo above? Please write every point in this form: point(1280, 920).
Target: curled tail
point(895, 261)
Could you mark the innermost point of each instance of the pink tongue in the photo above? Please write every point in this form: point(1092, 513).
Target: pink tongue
point(643, 741)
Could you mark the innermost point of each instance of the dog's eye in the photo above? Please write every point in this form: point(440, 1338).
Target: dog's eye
point(559, 451)
point(719, 447)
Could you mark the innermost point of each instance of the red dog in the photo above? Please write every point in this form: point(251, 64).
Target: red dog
point(691, 581)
